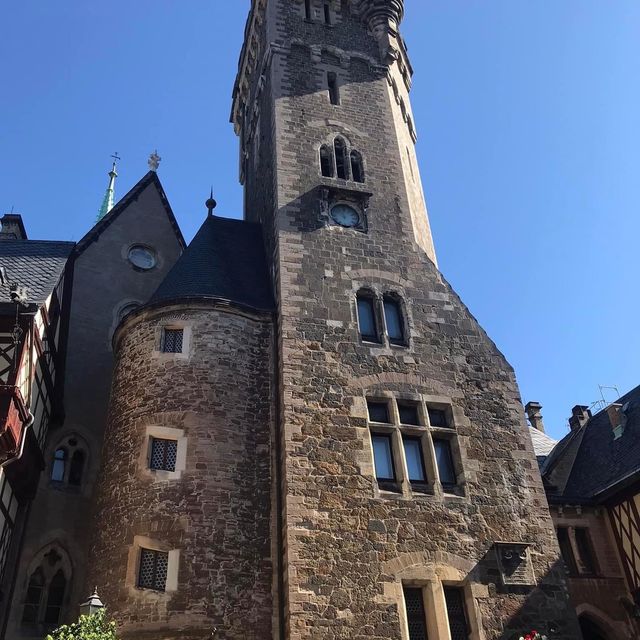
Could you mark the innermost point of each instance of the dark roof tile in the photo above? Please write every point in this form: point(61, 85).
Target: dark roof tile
point(35, 264)
point(225, 260)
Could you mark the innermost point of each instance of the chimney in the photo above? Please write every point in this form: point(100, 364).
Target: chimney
point(616, 418)
point(12, 227)
point(534, 415)
point(580, 415)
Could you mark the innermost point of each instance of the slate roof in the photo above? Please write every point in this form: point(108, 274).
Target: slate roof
point(542, 444)
point(35, 264)
point(602, 462)
point(224, 261)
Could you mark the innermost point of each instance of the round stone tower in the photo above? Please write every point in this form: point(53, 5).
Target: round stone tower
point(182, 542)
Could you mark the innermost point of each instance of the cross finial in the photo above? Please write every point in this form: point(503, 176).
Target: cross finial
point(116, 157)
point(154, 161)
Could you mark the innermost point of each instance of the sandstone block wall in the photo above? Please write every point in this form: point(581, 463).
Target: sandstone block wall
point(350, 547)
point(214, 514)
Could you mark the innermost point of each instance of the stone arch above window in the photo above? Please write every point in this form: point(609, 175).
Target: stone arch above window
point(339, 160)
point(69, 462)
point(46, 589)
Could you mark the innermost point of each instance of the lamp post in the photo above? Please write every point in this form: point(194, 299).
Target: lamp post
point(92, 605)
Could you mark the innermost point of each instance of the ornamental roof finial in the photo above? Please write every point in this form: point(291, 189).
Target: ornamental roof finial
point(109, 196)
point(154, 161)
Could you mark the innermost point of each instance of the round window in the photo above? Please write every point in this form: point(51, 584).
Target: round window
point(345, 216)
point(142, 257)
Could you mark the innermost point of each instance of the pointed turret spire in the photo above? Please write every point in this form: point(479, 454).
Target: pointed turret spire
point(109, 196)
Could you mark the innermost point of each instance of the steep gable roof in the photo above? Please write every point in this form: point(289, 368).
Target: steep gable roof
point(35, 264)
point(600, 461)
point(225, 261)
point(100, 227)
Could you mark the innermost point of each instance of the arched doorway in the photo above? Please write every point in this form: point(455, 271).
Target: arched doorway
point(590, 629)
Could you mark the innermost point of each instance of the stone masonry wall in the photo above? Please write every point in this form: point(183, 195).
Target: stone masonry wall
point(349, 546)
point(215, 516)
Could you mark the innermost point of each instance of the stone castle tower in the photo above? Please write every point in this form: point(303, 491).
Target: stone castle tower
point(309, 434)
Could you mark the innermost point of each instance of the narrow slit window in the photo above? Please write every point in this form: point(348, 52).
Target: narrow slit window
point(327, 13)
point(444, 461)
point(164, 454)
point(326, 161)
point(341, 158)
point(153, 570)
point(393, 319)
point(458, 625)
point(367, 319)
point(59, 465)
point(357, 169)
point(378, 412)
point(307, 9)
point(566, 550)
point(585, 550)
point(334, 90)
point(416, 619)
point(172, 340)
point(415, 460)
point(383, 457)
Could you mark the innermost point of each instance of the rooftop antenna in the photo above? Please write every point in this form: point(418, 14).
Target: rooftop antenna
point(109, 196)
point(612, 388)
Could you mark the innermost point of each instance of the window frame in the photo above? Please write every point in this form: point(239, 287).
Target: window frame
point(436, 481)
point(423, 484)
point(165, 442)
point(164, 339)
point(155, 553)
point(566, 548)
point(391, 299)
point(368, 297)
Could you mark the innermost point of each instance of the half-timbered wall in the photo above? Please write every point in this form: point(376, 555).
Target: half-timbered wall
point(626, 526)
point(8, 513)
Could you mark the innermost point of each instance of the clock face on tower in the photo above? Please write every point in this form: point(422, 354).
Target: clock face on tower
point(345, 216)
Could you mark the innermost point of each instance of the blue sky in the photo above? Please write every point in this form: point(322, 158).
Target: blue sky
point(529, 123)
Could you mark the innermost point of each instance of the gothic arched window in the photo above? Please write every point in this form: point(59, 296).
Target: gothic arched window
point(326, 161)
point(59, 466)
point(357, 169)
point(46, 589)
point(394, 319)
point(68, 464)
point(341, 158)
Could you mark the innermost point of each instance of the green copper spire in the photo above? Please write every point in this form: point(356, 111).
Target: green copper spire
point(109, 196)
